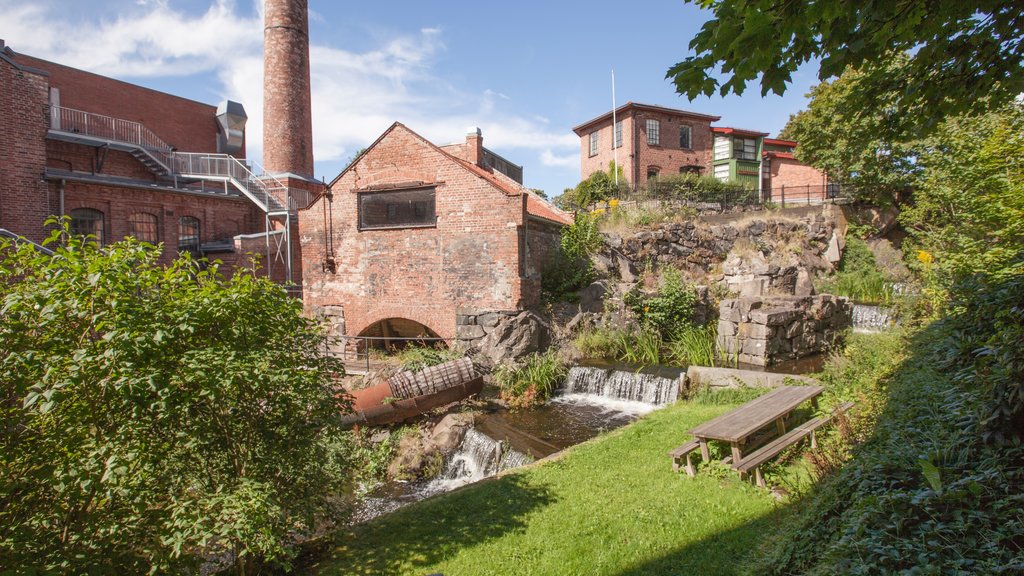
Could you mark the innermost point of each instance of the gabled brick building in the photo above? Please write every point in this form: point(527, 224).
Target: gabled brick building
point(789, 180)
point(410, 234)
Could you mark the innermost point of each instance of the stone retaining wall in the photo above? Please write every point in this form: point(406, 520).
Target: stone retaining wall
point(770, 329)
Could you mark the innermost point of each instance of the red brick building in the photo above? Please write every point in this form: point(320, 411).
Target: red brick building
point(410, 234)
point(123, 160)
point(647, 141)
point(786, 180)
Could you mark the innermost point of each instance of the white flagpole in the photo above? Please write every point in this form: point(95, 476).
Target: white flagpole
point(615, 150)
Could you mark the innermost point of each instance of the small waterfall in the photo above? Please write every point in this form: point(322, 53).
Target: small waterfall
point(868, 318)
point(477, 457)
point(621, 385)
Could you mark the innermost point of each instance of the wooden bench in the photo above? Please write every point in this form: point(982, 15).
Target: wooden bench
point(684, 450)
point(754, 460)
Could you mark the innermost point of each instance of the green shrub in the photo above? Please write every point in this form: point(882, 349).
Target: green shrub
point(694, 188)
point(601, 342)
point(531, 382)
point(669, 311)
point(152, 415)
point(643, 347)
point(417, 358)
point(569, 268)
point(858, 277)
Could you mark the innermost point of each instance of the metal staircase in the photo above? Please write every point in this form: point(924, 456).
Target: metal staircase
point(264, 190)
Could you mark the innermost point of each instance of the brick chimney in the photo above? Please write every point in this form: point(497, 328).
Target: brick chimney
point(474, 146)
point(287, 117)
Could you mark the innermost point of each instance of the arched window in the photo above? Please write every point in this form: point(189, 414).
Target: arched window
point(142, 225)
point(188, 235)
point(87, 222)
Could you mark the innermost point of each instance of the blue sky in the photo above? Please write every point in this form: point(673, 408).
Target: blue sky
point(525, 72)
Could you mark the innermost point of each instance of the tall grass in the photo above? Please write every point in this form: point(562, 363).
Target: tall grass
point(531, 382)
point(694, 346)
point(640, 348)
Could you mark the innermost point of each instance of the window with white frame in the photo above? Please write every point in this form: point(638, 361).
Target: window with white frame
point(684, 137)
point(653, 132)
point(617, 140)
point(744, 148)
point(722, 172)
point(595, 140)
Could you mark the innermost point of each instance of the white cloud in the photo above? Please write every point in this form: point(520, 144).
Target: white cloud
point(549, 158)
point(355, 95)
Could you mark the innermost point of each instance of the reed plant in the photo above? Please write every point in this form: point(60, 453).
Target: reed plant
point(602, 342)
point(694, 345)
point(642, 347)
point(532, 381)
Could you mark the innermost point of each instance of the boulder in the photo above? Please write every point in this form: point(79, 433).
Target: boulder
point(592, 297)
point(447, 435)
point(513, 338)
point(411, 456)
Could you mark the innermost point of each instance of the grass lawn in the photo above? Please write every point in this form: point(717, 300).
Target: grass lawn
point(612, 506)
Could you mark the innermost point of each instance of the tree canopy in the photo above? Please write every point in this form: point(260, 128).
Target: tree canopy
point(152, 415)
point(956, 50)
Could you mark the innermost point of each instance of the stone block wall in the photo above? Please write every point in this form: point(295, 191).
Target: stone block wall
point(770, 329)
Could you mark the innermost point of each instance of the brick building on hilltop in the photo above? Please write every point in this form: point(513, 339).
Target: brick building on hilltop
point(412, 234)
point(648, 141)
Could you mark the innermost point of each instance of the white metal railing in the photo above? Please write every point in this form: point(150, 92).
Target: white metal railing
point(107, 128)
point(266, 191)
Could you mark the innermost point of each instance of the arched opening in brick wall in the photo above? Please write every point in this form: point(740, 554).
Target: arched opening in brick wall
point(398, 333)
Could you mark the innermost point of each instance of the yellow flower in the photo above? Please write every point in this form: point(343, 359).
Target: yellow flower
point(613, 203)
point(925, 257)
point(597, 211)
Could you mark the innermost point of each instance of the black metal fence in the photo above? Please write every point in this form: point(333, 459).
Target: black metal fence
point(725, 196)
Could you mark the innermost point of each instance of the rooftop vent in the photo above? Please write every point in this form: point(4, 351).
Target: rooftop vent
point(231, 121)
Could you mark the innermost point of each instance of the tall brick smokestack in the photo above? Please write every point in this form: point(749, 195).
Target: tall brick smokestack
point(287, 119)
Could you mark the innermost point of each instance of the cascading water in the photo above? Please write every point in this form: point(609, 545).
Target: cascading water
point(477, 457)
point(621, 385)
point(868, 318)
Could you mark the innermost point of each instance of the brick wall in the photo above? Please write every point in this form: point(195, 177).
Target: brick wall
point(184, 124)
point(801, 181)
point(24, 198)
point(219, 218)
point(471, 259)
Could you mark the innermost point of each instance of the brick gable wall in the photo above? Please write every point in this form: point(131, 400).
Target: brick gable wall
point(471, 259)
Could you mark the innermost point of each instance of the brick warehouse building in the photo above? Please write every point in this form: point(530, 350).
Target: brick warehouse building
point(123, 160)
point(410, 234)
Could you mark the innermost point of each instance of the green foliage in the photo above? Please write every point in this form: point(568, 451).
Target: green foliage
point(417, 358)
point(152, 415)
point(866, 146)
point(694, 346)
point(858, 277)
point(923, 491)
point(570, 268)
point(601, 342)
point(598, 187)
point(667, 312)
point(957, 53)
point(643, 347)
point(532, 381)
point(694, 188)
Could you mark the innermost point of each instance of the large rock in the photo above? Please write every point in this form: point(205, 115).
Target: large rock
point(513, 338)
point(592, 297)
point(447, 435)
point(411, 457)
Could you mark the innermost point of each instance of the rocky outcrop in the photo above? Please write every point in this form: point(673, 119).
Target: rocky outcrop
point(500, 336)
point(420, 455)
point(769, 329)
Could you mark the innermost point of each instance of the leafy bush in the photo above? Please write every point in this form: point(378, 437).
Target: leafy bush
point(669, 311)
point(417, 358)
point(598, 187)
point(602, 342)
point(858, 278)
point(694, 188)
point(570, 268)
point(152, 415)
point(531, 382)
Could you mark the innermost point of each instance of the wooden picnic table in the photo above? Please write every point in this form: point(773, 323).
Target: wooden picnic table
point(738, 425)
